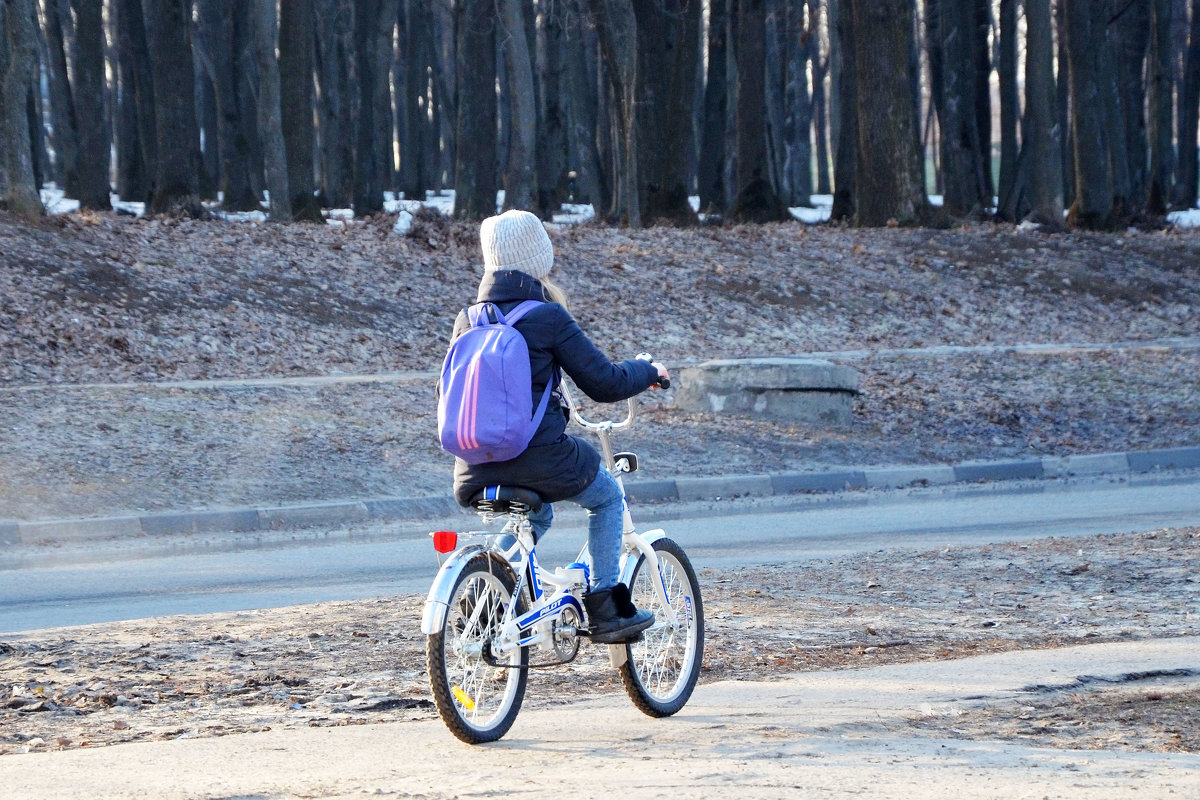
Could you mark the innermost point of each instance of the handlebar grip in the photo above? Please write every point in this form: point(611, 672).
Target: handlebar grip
point(662, 383)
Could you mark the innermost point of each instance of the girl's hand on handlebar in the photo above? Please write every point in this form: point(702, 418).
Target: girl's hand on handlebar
point(664, 377)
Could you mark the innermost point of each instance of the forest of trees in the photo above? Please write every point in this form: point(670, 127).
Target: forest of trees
point(1017, 109)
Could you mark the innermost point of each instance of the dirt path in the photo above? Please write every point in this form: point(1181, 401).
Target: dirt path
point(829, 733)
point(356, 663)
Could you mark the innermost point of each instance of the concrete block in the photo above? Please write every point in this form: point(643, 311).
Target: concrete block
point(818, 482)
point(77, 529)
point(725, 486)
point(799, 389)
point(900, 477)
point(1173, 458)
point(999, 471)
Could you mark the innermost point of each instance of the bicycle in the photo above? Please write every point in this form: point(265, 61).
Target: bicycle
point(492, 603)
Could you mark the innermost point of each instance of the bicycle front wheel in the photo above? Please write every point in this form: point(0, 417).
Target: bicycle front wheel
point(476, 699)
point(661, 669)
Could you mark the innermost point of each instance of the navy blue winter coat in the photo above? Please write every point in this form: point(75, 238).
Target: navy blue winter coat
point(555, 465)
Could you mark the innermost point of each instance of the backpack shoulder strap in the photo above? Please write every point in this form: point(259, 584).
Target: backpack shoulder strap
point(511, 318)
point(481, 314)
point(488, 313)
point(515, 315)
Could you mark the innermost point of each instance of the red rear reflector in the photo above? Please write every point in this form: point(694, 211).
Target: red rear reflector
point(445, 541)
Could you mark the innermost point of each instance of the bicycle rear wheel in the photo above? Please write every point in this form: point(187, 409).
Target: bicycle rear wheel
point(478, 701)
point(661, 669)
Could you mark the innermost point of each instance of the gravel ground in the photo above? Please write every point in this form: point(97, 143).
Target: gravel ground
point(353, 663)
point(151, 365)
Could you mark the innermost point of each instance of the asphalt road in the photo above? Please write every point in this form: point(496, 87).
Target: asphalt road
point(78, 583)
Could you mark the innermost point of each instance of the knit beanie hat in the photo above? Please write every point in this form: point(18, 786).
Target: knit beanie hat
point(516, 240)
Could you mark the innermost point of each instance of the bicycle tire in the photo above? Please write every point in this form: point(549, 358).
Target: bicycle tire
point(477, 701)
point(661, 669)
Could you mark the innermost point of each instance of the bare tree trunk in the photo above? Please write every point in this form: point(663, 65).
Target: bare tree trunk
point(982, 53)
point(1188, 176)
point(1085, 42)
point(583, 99)
point(803, 37)
point(372, 40)
point(208, 118)
point(176, 176)
point(34, 116)
point(1009, 206)
point(668, 39)
point(297, 36)
point(1123, 87)
point(711, 169)
point(1062, 91)
point(338, 107)
point(756, 199)
point(443, 138)
point(551, 150)
point(270, 124)
point(790, 108)
point(616, 28)
point(475, 183)
point(223, 40)
point(94, 138)
point(1043, 134)
point(519, 176)
point(17, 63)
point(1162, 161)
point(412, 123)
point(62, 105)
point(845, 104)
point(966, 189)
point(889, 188)
point(138, 142)
point(820, 69)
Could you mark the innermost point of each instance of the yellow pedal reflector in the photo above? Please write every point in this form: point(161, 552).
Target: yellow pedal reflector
point(462, 698)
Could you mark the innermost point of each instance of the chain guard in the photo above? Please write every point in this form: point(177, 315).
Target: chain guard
point(566, 649)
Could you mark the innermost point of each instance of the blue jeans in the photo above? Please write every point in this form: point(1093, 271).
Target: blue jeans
point(605, 504)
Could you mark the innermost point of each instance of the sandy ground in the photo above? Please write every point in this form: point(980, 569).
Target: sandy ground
point(352, 664)
point(829, 733)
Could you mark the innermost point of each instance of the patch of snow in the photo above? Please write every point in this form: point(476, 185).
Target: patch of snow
point(1185, 219)
point(56, 202)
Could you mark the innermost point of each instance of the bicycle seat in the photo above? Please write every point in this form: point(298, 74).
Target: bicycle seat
point(506, 499)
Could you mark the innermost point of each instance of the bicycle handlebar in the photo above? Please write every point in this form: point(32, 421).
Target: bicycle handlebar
point(610, 425)
point(605, 425)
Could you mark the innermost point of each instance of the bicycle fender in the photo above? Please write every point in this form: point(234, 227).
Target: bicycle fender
point(628, 563)
point(433, 617)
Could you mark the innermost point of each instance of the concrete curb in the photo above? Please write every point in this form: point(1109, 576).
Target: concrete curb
point(282, 517)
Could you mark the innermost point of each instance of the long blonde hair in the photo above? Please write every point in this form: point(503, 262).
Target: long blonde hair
point(555, 293)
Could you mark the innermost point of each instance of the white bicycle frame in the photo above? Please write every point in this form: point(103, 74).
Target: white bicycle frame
point(547, 607)
point(632, 542)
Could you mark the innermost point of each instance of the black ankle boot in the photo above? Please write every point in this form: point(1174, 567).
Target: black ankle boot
point(613, 616)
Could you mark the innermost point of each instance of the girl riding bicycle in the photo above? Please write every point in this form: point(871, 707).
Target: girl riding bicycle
point(518, 257)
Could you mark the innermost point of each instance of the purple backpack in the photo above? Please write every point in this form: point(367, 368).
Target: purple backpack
point(485, 407)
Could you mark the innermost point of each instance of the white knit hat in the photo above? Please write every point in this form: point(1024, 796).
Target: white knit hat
point(516, 240)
